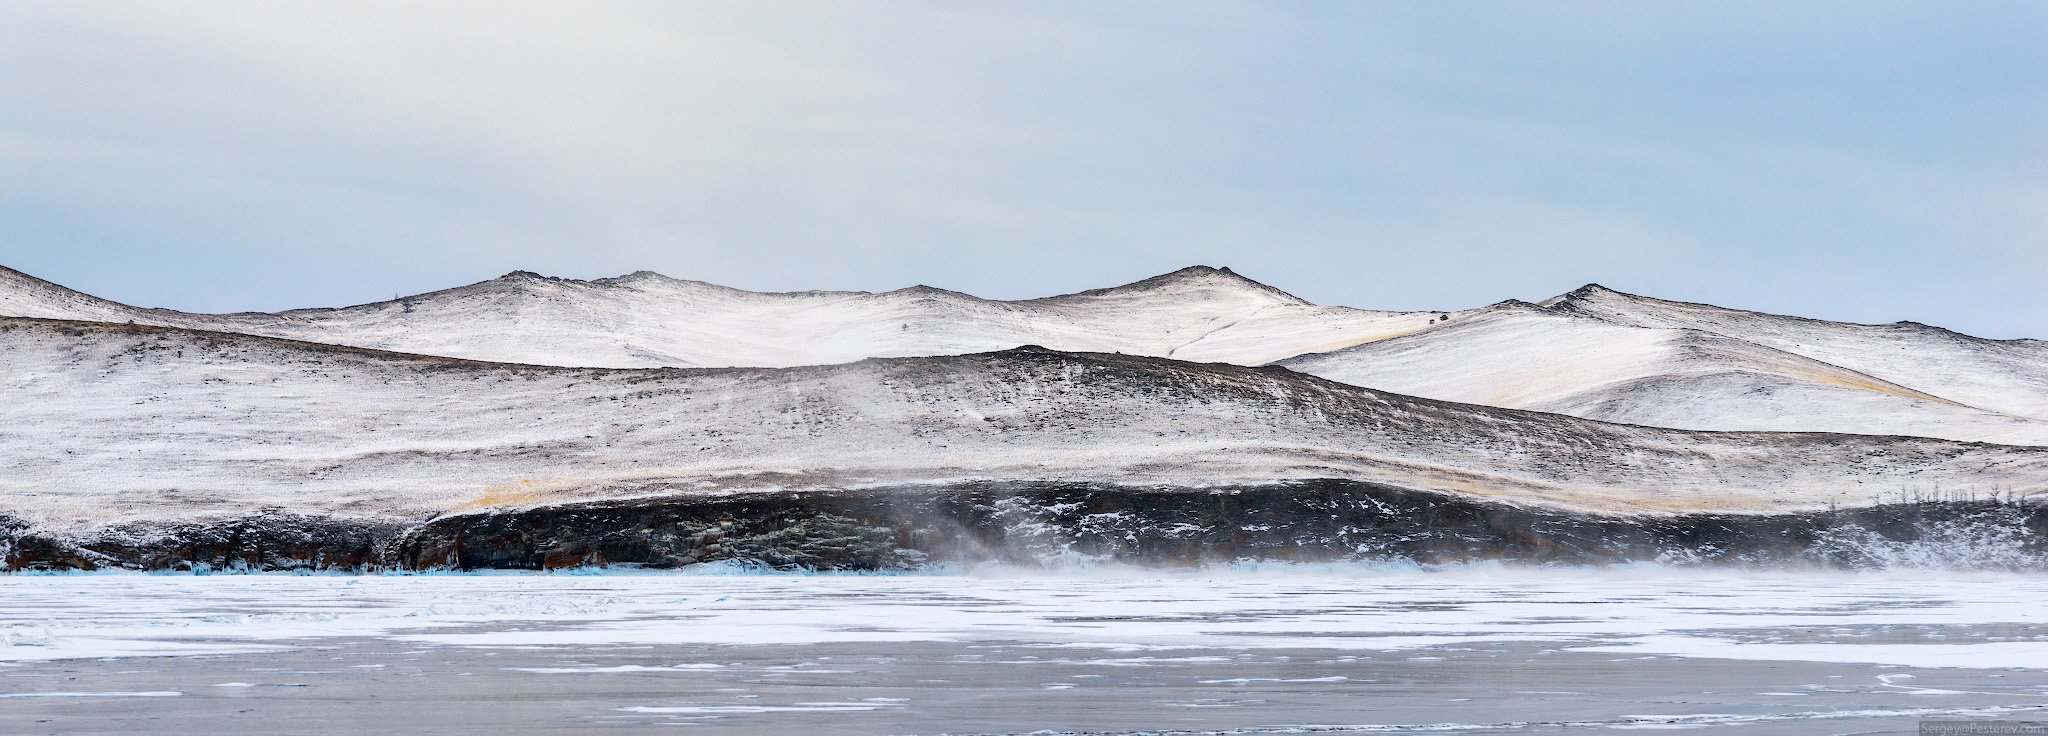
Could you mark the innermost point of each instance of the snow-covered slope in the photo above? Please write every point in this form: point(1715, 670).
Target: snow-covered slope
point(1563, 360)
point(648, 320)
point(2005, 376)
point(108, 422)
point(22, 295)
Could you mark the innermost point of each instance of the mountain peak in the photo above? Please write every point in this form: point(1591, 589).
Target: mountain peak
point(1202, 273)
point(1587, 293)
point(645, 277)
point(1594, 290)
point(921, 290)
point(636, 277)
point(1192, 278)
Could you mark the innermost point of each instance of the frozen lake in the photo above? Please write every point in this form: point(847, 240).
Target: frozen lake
point(1287, 650)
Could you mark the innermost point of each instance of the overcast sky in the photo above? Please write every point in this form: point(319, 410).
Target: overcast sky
point(1855, 160)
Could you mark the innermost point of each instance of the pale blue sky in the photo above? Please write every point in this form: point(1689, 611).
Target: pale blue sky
point(1855, 160)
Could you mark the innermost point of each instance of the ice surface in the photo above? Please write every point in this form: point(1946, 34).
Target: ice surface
point(1134, 618)
point(1271, 650)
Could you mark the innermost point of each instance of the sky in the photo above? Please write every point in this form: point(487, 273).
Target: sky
point(1862, 161)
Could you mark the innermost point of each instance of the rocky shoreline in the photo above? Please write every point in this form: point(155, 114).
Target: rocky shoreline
point(1051, 525)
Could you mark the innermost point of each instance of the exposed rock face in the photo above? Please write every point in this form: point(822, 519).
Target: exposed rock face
point(262, 542)
point(1053, 524)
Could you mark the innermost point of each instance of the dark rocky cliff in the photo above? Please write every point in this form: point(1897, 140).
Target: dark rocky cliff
point(1050, 524)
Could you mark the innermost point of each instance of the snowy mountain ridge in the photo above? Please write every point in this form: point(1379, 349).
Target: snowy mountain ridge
point(1593, 352)
point(645, 319)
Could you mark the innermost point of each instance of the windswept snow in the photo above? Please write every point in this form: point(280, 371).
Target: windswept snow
point(112, 422)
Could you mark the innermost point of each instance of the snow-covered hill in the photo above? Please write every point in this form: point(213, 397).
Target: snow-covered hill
point(1593, 353)
point(1573, 361)
point(110, 422)
point(2005, 376)
point(649, 320)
